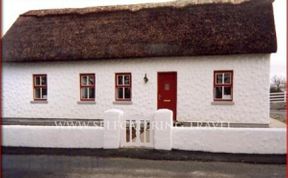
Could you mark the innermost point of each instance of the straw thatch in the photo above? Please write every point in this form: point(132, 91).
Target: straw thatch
point(148, 30)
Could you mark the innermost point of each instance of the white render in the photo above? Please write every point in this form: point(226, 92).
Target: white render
point(163, 124)
point(112, 128)
point(218, 140)
point(231, 140)
point(194, 88)
point(52, 136)
point(221, 140)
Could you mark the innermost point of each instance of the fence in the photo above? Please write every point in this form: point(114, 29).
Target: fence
point(137, 132)
point(162, 135)
point(279, 97)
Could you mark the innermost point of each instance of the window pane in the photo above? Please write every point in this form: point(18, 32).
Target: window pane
point(126, 80)
point(84, 93)
point(37, 93)
point(120, 79)
point(219, 78)
point(120, 93)
point(227, 90)
point(227, 93)
point(84, 80)
point(44, 93)
point(218, 92)
point(91, 80)
point(127, 93)
point(227, 78)
point(91, 93)
point(37, 80)
point(43, 80)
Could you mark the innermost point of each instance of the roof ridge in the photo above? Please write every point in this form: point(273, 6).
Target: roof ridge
point(130, 7)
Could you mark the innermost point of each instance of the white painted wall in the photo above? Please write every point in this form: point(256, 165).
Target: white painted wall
point(162, 127)
point(112, 128)
point(218, 140)
point(52, 136)
point(195, 88)
point(231, 140)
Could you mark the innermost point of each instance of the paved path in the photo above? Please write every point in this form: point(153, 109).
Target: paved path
point(279, 115)
point(274, 123)
point(49, 166)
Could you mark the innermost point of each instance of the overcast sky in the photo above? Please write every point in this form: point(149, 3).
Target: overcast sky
point(13, 8)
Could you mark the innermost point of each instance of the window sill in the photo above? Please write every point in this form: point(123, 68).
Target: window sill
point(222, 103)
point(123, 102)
point(86, 102)
point(39, 102)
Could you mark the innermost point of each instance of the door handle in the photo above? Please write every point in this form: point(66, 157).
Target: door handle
point(167, 101)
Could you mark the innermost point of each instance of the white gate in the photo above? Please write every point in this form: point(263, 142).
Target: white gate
point(279, 97)
point(137, 132)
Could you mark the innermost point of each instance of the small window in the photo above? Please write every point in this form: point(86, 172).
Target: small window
point(40, 87)
point(123, 86)
point(223, 85)
point(87, 87)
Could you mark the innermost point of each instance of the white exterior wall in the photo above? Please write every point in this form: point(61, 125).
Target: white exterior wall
point(162, 126)
point(52, 137)
point(231, 140)
point(194, 88)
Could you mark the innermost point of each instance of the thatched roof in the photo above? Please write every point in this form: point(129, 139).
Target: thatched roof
point(213, 27)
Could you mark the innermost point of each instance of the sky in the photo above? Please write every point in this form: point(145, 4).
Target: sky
point(13, 8)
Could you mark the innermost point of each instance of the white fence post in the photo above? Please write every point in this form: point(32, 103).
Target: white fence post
point(163, 123)
point(112, 128)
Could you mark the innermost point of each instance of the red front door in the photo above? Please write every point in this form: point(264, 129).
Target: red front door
point(167, 91)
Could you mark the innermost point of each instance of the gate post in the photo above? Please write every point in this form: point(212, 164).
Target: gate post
point(112, 128)
point(163, 124)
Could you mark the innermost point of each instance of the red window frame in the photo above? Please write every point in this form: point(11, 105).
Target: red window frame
point(39, 86)
point(222, 84)
point(117, 86)
point(88, 86)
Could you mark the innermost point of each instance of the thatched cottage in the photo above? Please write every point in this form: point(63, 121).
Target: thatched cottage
point(204, 60)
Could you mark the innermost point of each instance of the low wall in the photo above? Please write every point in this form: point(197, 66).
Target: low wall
point(52, 136)
point(230, 140)
point(165, 137)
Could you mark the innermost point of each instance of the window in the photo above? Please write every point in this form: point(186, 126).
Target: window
point(223, 85)
point(123, 86)
point(40, 87)
point(87, 87)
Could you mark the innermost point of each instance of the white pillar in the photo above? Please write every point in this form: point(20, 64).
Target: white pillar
point(112, 127)
point(162, 124)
